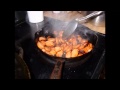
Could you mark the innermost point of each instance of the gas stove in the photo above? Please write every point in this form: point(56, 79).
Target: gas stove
point(40, 70)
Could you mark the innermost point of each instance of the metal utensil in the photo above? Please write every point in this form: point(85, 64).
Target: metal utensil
point(72, 25)
point(98, 20)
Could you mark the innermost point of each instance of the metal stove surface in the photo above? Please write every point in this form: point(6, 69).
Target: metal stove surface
point(41, 70)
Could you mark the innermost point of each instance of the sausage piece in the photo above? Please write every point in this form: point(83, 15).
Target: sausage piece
point(52, 52)
point(57, 49)
point(74, 53)
point(68, 54)
point(42, 38)
point(59, 54)
point(49, 43)
point(51, 39)
point(40, 46)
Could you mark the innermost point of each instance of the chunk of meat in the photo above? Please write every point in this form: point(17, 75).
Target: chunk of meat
point(49, 43)
point(80, 54)
point(47, 52)
point(52, 48)
point(47, 49)
point(68, 54)
point(40, 46)
point(76, 46)
point(74, 41)
point(63, 46)
point(61, 40)
point(57, 49)
point(43, 50)
point(66, 48)
point(81, 47)
point(42, 42)
point(59, 54)
point(57, 41)
point(52, 52)
point(88, 48)
point(74, 53)
point(42, 38)
point(51, 39)
point(69, 48)
point(81, 51)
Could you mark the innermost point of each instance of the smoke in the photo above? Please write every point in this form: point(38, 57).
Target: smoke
point(57, 22)
point(48, 24)
point(85, 33)
point(34, 27)
point(58, 19)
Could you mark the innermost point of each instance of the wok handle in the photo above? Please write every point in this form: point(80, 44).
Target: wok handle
point(56, 73)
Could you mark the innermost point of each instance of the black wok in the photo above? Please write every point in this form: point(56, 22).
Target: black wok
point(59, 62)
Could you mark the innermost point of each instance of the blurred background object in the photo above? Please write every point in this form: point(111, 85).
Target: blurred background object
point(98, 20)
point(56, 11)
point(35, 16)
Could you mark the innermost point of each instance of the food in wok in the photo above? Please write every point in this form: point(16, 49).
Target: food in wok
point(66, 48)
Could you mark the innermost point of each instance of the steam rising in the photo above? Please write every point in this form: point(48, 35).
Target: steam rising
point(59, 23)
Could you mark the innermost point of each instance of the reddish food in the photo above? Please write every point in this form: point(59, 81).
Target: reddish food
point(52, 52)
point(68, 54)
point(57, 49)
point(49, 43)
point(42, 42)
point(74, 53)
point(47, 49)
point(59, 54)
point(73, 47)
point(51, 39)
point(40, 46)
point(42, 38)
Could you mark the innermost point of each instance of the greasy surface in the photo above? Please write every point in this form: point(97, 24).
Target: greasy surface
point(72, 15)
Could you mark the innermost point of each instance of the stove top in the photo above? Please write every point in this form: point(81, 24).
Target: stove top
point(40, 70)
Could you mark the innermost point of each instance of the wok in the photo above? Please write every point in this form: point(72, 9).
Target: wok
point(59, 62)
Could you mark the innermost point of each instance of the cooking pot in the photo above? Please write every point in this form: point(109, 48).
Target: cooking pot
point(98, 20)
point(61, 62)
